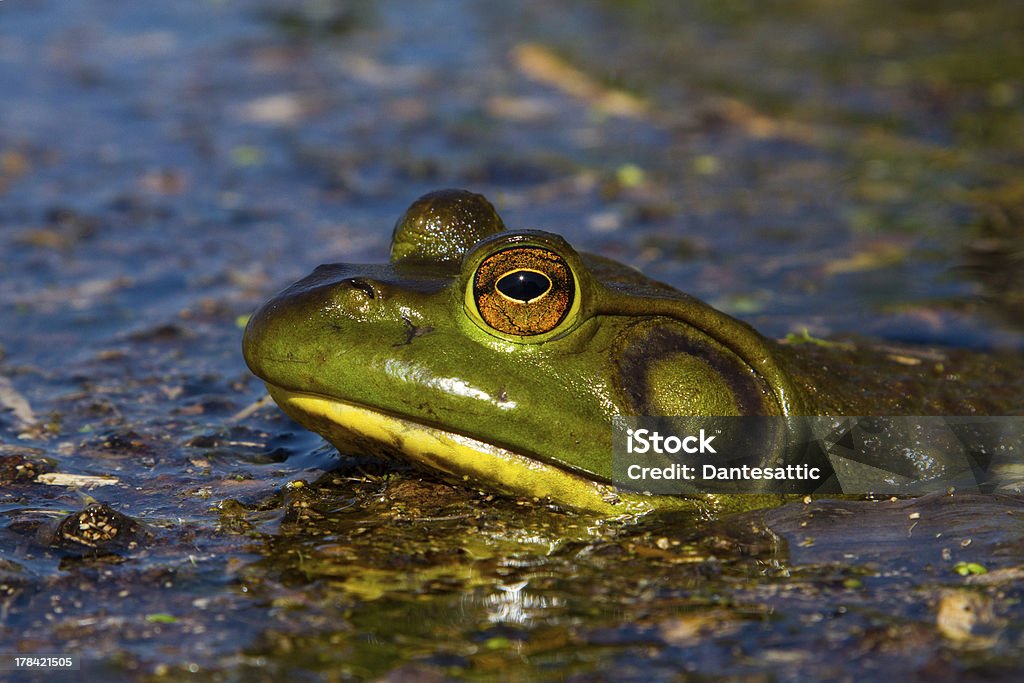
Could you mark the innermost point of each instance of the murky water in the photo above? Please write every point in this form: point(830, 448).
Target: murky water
point(164, 169)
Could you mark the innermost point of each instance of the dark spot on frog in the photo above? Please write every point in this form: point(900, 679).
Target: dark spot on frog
point(428, 410)
point(412, 330)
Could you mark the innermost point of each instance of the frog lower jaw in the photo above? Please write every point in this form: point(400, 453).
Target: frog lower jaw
point(349, 425)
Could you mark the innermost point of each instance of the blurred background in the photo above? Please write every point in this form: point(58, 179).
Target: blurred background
point(822, 165)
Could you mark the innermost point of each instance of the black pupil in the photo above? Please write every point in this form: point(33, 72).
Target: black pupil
point(523, 285)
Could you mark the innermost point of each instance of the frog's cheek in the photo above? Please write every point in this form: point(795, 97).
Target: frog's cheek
point(682, 384)
point(668, 368)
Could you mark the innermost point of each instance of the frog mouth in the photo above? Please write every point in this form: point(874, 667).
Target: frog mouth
point(367, 430)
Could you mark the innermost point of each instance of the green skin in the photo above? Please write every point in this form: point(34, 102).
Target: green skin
point(404, 339)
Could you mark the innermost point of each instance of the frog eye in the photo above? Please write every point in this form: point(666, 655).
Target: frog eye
point(523, 285)
point(523, 291)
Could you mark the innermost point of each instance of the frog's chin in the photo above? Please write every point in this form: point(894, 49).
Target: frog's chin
point(360, 429)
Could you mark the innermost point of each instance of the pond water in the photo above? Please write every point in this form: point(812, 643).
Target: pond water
point(833, 167)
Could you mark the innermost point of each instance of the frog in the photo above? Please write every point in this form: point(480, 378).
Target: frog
point(499, 358)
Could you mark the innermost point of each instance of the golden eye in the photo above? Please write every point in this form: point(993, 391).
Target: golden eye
point(523, 291)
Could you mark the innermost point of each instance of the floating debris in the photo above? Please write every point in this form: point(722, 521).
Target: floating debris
point(16, 402)
point(76, 480)
point(968, 618)
point(99, 530)
point(541, 64)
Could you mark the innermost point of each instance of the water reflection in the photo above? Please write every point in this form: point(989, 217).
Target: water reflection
point(512, 604)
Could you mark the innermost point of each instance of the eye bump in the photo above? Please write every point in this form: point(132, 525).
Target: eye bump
point(523, 291)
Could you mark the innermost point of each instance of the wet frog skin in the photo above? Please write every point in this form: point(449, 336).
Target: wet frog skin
point(500, 357)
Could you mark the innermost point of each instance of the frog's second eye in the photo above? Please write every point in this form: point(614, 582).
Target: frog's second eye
point(523, 291)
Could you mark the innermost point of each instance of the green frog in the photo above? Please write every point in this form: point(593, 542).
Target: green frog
point(499, 358)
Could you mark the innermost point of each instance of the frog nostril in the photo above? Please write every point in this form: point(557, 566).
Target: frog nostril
point(363, 286)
